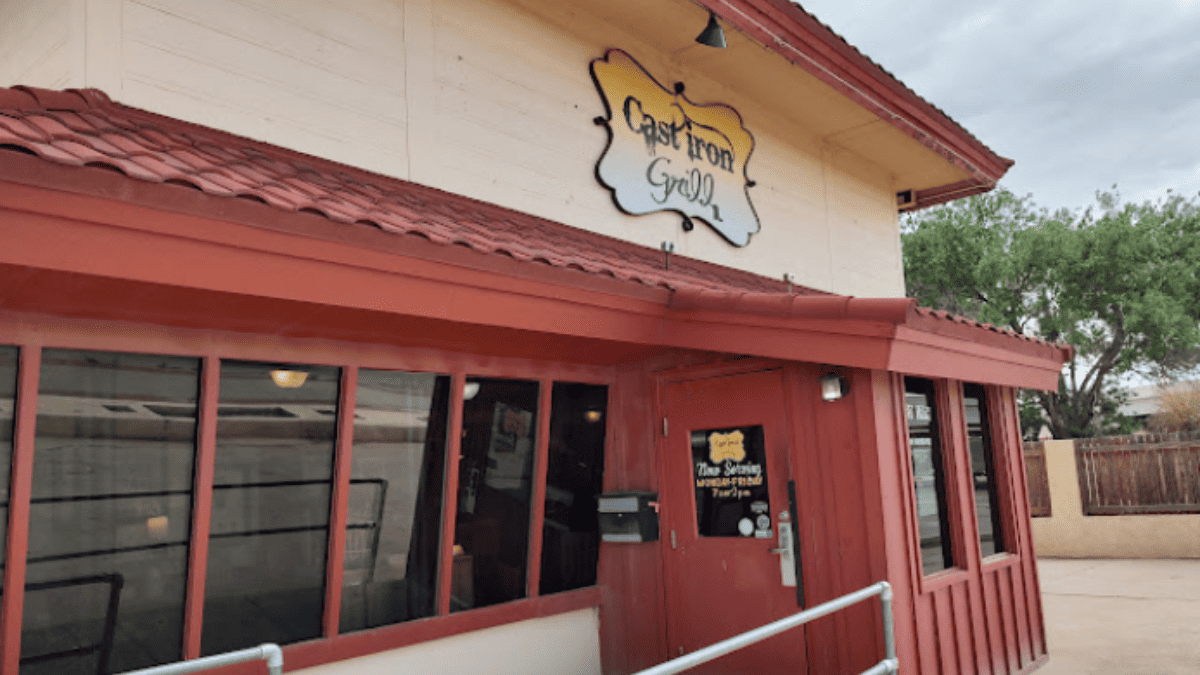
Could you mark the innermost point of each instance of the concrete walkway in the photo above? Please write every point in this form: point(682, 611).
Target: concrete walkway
point(1121, 617)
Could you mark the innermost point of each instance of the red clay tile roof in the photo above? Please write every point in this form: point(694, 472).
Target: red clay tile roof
point(85, 128)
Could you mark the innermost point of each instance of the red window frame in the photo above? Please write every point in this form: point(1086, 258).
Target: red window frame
point(32, 333)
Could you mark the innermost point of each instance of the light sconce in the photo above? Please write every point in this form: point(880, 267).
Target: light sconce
point(470, 389)
point(833, 387)
point(712, 35)
point(289, 379)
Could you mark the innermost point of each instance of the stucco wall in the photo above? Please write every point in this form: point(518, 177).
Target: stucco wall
point(566, 643)
point(488, 99)
point(1070, 534)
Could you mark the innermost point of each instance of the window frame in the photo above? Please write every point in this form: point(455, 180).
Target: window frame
point(1003, 467)
point(947, 448)
point(31, 333)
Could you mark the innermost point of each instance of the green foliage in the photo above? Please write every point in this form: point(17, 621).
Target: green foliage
point(1120, 282)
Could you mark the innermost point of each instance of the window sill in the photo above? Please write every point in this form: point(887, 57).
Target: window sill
point(385, 638)
point(1000, 560)
point(940, 580)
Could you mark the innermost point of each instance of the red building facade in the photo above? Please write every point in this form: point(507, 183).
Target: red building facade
point(256, 395)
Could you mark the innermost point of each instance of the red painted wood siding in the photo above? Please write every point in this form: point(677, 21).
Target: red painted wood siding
point(983, 616)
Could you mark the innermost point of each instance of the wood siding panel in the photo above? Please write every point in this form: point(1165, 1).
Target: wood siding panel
point(946, 630)
point(816, 505)
point(1023, 528)
point(1012, 653)
point(963, 624)
point(36, 44)
point(513, 125)
point(492, 100)
point(291, 77)
point(994, 647)
point(632, 618)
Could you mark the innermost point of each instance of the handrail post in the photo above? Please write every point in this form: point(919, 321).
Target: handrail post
point(889, 634)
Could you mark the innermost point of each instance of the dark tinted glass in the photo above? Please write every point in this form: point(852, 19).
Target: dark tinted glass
point(8, 403)
point(929, 479)
point(270, 517)
point(983, 470)
point(570, 532)
point(494, 483)
point(396, 483)
point(109, 519)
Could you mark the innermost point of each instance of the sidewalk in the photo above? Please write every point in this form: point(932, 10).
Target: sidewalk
point(1121, 617)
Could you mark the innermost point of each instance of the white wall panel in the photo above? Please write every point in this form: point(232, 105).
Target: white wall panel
point(485, 99)
point(566, 643)
point(293, 75)
point(40, 43)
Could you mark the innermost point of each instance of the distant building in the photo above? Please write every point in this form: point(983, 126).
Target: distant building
point(1144, 401)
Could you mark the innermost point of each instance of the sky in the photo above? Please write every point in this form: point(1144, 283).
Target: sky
point(1082, 95)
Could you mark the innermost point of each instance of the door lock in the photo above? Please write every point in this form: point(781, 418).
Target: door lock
point(786, 551)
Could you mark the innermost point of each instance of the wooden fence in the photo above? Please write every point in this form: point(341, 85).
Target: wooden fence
point(1039, 482)
point(1141, 474)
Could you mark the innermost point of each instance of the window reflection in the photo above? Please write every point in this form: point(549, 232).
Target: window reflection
point(983, 471)
point(8, 406)
point(494, 485)
point(396, 482)
point(929, 480)
point(270, 512)
point(109, 521)
point(570, 532)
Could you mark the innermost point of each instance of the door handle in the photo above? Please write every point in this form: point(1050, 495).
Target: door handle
point(786, 551)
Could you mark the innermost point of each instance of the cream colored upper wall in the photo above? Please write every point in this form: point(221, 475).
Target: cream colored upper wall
point(486, 99)
point(40, 43)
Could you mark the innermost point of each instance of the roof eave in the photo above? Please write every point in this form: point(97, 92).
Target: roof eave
point(790, 31)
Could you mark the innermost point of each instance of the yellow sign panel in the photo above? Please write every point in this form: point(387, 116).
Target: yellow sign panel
point(726, 446)
point(666, 153)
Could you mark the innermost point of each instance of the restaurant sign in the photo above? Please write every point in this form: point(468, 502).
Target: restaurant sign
point(666, 153)
point(731, 482)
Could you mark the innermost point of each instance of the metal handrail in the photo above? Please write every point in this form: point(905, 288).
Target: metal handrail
point(889, 664)
point(271, 653)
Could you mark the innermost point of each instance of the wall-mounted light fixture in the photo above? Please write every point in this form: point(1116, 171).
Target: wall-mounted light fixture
point(833, 387)
point(593, 416)
point(712, 35)
point(469, 390)
point(289, 379)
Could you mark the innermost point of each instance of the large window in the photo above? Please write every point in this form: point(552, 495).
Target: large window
point(495, 481)
point(929, 476)
point(156, 476)
point(571, 532)
point(983, 471)
point(110, 513)
point(272, 482)
point(395, 501)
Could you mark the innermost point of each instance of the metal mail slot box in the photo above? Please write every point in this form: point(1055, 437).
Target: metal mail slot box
point(628, 517)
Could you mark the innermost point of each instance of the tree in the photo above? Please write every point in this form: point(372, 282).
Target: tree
point(1120, 282)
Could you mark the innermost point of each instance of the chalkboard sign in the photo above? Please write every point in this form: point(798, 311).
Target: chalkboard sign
point(731, 482)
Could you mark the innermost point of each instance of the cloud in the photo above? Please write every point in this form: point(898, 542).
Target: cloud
point(1081, 95)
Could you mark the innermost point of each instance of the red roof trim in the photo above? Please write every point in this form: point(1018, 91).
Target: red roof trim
point(790, 31)
point(86, 129)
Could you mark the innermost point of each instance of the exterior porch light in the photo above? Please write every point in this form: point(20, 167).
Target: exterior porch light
point(833, 387)
point(470, 389)
point(712, 35)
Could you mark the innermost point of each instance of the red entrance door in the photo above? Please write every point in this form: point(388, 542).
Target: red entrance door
point(725, 482)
